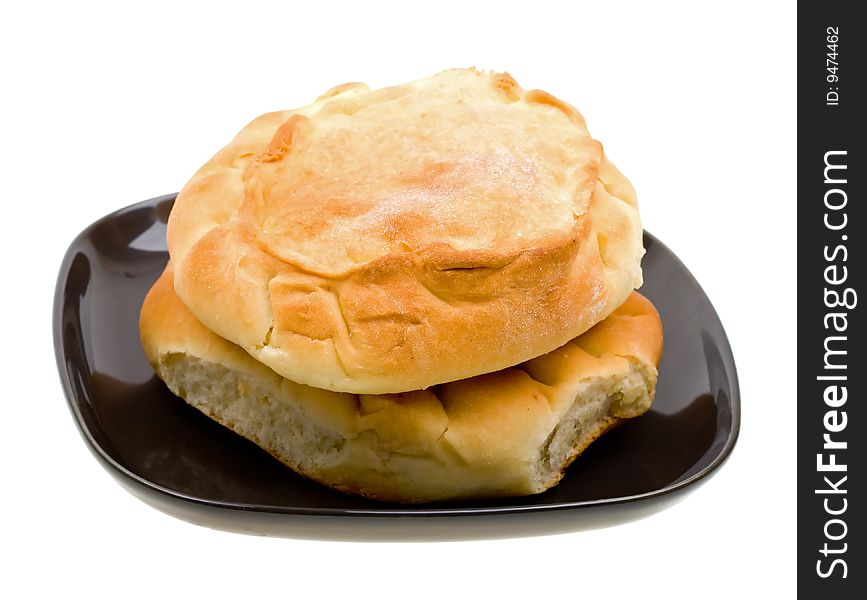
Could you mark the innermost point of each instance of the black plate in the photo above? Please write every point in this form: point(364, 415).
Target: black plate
point(178, 460)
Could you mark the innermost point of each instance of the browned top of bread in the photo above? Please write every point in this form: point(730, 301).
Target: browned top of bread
point(508, 432)
point(390, 240)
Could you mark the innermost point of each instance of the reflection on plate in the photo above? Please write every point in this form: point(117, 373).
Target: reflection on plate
point(180, 461)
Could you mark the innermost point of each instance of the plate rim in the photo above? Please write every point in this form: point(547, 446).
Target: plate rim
point(117, 469)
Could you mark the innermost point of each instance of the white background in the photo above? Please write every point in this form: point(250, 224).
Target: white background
point(108, 105)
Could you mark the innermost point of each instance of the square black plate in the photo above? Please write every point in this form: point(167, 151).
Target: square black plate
point(175, 458)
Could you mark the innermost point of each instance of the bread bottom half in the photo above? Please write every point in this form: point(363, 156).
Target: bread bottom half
point(509, 433)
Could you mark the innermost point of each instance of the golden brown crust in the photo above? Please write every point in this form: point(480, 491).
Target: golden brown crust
point(390, 240)
point(483, 436)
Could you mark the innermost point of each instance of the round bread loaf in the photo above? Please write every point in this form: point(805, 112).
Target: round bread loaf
point(390, 240)
point(508, 433)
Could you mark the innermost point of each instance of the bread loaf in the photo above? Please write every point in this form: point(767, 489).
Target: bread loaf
point(512, 432)
point(381, 241)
